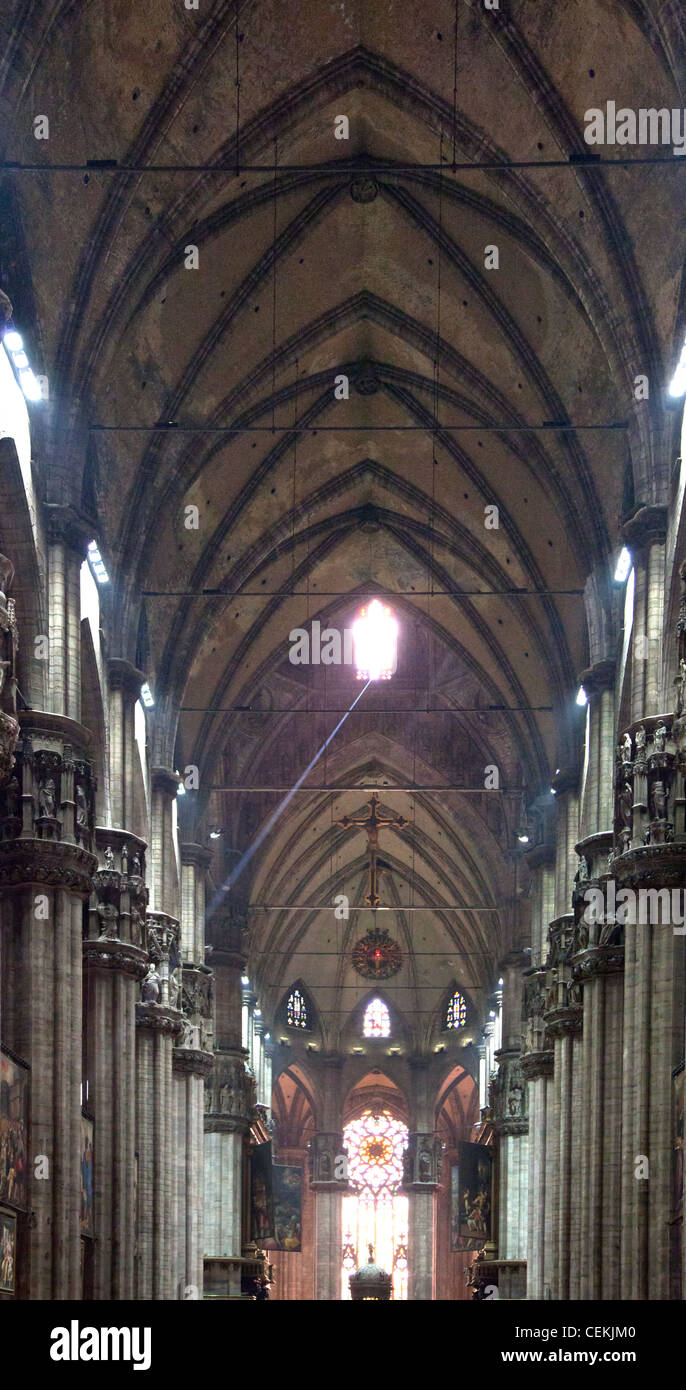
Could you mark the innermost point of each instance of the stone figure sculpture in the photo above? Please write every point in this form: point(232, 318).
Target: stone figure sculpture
point(150, 988)
point(46, 798)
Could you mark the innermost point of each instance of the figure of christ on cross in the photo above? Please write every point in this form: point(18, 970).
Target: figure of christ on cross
point(373, 823)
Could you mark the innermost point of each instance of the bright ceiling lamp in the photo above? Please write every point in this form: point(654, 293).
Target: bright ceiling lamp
point(375, 642)
point(581, 696)
point(623, 565)
point(677, 386)
point(147, 696)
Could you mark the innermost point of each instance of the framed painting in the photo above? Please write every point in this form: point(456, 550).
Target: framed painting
point(287, 1188)
point(8, 1251)
point(14, 1081)
point(87, 1221)
point(470, 1197)
point(261, 1193)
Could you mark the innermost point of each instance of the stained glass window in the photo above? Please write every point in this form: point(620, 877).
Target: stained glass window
point(375, 642)
point(375, 1211)
point(377, 1020)
point(456, 1013)
point(297, 1014)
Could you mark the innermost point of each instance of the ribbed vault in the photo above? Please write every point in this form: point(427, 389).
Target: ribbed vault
point(175, 389)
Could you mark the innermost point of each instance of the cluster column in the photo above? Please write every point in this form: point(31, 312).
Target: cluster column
point(329, 1183)
point(510, 1114)
point(537, 1066)
point(192, 1062)
point(229, 1106)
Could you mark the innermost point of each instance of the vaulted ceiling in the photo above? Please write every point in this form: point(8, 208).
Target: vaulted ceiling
point(213, 388)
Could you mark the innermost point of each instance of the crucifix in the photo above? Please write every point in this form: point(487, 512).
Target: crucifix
point(373, 823)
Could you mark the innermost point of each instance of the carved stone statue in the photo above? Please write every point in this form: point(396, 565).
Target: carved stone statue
point(680, 682)
point(12, 797)
point(136, 925)
point(109, 918)
point(659, 801)
point(425, 1166)
point(174, 990)
point(583, 871)
point(109, 857)
point(640, 740)
point(81, 806)
point(46, 798)
point(150, 988)
point(625, 748)
point(660, 737)
point(626, 803)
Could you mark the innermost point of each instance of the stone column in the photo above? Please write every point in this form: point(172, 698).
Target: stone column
point(422, 1166)
point(68, 534)
point(195, 861)
point(537, 1070)
point(159, 1022)
point(124, 688)
point(258, 1058)
point(563, 1019)
point(537, 1062)
point(164, 883)
point(421, 1180)
point(596, 1057)
point(646, 818)
point(192, 1064)
point(510, 1114)
point(115, 962)
point(229, 1107)
point(9, 642)
point(46, 868)
point(645, 536)
point(325, 1152)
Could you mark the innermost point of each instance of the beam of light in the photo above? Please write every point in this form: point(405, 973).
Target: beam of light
point(262, 834)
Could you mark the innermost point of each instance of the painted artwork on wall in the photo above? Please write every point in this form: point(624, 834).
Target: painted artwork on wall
point(14, 1081)
point(470, 1197)
point(87, 1222)
point(261, 1193)
point(8, 1251)
point(287, 1186)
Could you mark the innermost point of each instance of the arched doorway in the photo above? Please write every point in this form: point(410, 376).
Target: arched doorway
point(375, 1211)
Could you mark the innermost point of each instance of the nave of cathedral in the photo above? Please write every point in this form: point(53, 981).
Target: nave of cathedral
point(342, 651)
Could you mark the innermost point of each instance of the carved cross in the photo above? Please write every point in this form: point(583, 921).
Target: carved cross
point(372, 824)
